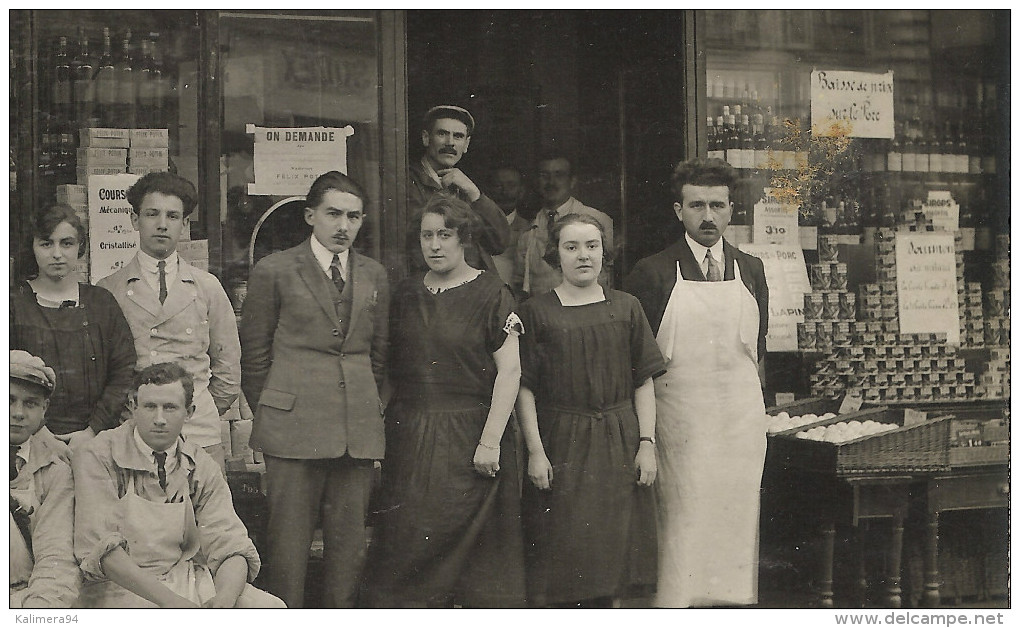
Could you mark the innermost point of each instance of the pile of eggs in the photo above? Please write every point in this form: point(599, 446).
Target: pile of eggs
point(845, 431)
point(783, 421)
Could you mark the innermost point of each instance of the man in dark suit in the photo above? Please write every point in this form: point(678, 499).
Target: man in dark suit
point(445, 135)
point(313, 340)
point(708, 304)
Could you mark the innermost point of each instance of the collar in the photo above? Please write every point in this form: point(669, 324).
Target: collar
point(562, 210)
point(25, 452)
point(127, 454)
point(430, 172)
point(40, 450)
point(147, 451)
point(511, 217)
point(149, 263)
point(324, 256)
point(699, 250)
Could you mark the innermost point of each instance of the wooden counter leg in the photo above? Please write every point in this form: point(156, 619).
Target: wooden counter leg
point(860, 564)
point(931, 562)
point(893, 592)
point(828, 551)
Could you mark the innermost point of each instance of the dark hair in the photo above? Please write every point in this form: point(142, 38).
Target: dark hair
point(552, 247)
point(165, 373)
point(703, 171)
point(456, 213)
point(43, 225)
point(333, 180)
point(166, 183)
point(553, 154)
point(450, 112)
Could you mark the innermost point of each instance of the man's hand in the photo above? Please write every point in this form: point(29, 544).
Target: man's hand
point(453, 177)
point(219, 601)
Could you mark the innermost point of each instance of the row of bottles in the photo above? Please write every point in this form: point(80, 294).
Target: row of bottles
point(758, 140)
point(123, 82)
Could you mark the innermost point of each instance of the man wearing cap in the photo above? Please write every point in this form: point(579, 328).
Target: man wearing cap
point(445, 135)
point(178, 312)
point(43, 571)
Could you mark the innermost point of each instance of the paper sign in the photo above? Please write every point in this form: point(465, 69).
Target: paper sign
point(113, 241)
point(786, 276)
point(913, 417)
point(852, 401)
point(941, 210)
point(775, 222)
point(783, 398)
point(852, 104)
point(926, 284)
point(288, 160)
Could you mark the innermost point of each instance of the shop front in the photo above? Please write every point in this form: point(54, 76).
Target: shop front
point(858, 134)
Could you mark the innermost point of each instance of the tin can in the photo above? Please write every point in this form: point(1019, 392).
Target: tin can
point(839, 276)
point(847, 306)
point(806, 338)
point(993, 303)
point(830, 306)
point(813, 302)
point(823, 335)
point(841, 335)
point(821, 276)
point(1004, 328)
point(827, 248)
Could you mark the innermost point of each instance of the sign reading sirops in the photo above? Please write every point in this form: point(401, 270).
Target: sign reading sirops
point(288, 160)
point(775, 222)
point(926, 284)
point(857, 104)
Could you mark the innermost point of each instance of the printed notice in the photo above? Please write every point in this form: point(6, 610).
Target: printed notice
point(113, 240)
point(942, 210)
point(288, 160)
point(853, 104)
point(926, 283)
point(786, 276)
point(775, 222)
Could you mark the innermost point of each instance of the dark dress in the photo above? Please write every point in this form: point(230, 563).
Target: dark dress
point(90, 348)
point(593, 534)
point(446, 535)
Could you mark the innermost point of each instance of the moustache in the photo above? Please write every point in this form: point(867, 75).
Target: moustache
point(447, 151)
point(708, 225)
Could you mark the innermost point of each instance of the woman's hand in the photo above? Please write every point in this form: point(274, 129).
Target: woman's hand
point(486, 460)
point(540, 472)
point(645, 463)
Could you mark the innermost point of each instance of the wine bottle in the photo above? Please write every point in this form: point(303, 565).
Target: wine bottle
point(746, 147)
point(106, 83)
point(160, 89)
point(146, 88)
point(127, 96)
point(732, 140)
point(84, 87)
point(761, 153)
point(713, 139)
point(894, 155)
point(62, 81)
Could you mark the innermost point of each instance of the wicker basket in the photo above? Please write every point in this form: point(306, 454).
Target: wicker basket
point(922, 447)
point(809, 405)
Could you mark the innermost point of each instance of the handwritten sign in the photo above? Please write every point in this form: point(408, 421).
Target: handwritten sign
point(775, 222)
point(926, 284)
point(786, 276)
point(113, 240)
point(941, 210)
point(288, 160)
point(855, 104)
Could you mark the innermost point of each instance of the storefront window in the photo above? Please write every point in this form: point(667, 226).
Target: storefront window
point(293, 72)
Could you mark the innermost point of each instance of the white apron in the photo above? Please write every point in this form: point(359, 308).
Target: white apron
point(21, 559)
point(710, 429)
point(162, 540)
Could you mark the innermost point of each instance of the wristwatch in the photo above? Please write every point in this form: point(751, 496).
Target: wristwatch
point(650, 439)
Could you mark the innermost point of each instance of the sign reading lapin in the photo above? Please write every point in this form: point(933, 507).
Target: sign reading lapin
point(288, 160)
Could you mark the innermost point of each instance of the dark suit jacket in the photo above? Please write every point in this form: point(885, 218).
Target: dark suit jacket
point(493, 240)
point(654, 277)
point(314, 390)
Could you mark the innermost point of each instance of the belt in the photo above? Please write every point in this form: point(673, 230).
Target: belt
point(591, 413)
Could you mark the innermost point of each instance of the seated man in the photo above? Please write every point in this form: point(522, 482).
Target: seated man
point(43, 571)
point(154, 521)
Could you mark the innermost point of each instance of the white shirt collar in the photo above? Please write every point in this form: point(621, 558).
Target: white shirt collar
point(149, 263)
point(25, 451)
point(699, 250)
point(511, 217)
point(171, 453)
point(325, 257)
point(430, 171)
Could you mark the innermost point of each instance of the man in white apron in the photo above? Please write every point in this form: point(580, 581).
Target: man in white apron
point(43, 571)
point(708, 304)
point(154, 522)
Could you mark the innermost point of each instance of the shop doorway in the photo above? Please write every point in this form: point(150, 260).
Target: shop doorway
point(607, 87)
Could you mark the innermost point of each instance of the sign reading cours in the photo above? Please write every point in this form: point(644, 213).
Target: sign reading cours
point(926, 283)
point(113, 240)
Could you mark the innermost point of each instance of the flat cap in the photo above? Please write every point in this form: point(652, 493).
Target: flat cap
point(29, 368)
point(449, 111)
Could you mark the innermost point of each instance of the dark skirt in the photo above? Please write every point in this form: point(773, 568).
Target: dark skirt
point(593, 535)
point(445, 534)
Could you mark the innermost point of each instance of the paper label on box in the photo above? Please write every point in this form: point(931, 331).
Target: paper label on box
point(145, 138)
point(783, 398)
point(913, 417)
point(852, 401)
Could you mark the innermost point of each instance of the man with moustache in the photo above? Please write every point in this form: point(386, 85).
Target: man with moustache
point(508, 191)
point(707, 302)
point(177, 312)
point(314, 335)
point(556, 183)
point(445, 136)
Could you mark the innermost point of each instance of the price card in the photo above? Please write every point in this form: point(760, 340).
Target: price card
point(783, 398)
point(852, 402)
point(775, 222)
point(913, 417)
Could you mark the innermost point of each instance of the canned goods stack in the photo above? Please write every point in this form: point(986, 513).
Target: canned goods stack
point(996, 300)
point(830, 308)
point(994, 382)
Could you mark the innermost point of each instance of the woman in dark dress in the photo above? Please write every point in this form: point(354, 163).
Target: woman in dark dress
point(76, 328)
point(587, 409)
point(450, 530)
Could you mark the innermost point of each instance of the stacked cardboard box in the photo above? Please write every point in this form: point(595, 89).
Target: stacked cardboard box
point(103, 151)
point(149, 152)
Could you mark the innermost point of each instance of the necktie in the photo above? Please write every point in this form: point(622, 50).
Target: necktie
point(160, 457)
point(14, 461)
point(714, 273)
point(162, 280)
point(336, 271)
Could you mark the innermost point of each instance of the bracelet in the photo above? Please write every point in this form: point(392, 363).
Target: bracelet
point(647, 439)
point(481, 444)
